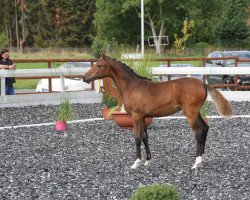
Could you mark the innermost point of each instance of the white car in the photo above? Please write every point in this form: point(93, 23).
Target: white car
point(71, 84)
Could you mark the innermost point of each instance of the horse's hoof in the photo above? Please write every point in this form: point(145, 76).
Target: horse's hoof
point(136, 164)
point(196, 167)
point(147, 163)
point(198, 163)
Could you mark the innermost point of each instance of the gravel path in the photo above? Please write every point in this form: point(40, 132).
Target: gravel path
point(92, 160)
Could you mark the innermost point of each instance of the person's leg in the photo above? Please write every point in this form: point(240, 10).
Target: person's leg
point(10, 90)
point(6, 89)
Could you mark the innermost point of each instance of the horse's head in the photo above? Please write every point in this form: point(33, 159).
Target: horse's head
point(101, 69)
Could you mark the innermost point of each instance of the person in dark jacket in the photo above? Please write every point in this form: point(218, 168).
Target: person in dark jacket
point(6, 63)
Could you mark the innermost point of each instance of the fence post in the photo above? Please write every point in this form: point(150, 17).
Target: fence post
point(62, 84)
point(236, 76)
point(204, 76)
point(2, 86)
point(169, 76)
point(49, 80)
point(92, 83)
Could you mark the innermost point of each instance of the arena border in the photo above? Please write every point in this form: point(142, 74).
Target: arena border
point(100, 119)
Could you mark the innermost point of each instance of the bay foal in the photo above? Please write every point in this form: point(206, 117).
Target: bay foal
point(145, 98)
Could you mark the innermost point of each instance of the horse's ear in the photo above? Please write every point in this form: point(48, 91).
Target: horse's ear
point(104, 57)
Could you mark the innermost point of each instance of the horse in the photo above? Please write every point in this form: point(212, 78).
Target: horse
point(145, 98)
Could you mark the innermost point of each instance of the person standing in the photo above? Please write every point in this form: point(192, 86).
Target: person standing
point(6, 63)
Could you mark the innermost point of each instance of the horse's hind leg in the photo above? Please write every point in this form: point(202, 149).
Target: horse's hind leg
point(200, 136)
point(200, 129)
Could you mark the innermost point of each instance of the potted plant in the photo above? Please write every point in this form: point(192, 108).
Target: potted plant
point(110, 103)
point(64, 114)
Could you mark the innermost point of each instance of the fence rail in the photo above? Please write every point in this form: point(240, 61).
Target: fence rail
point(56, 73)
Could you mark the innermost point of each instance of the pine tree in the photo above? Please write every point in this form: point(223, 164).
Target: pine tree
point(232, 28)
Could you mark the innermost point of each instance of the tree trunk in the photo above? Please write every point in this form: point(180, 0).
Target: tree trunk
point(157, 39)
point(16, 22)
point(7, 34)
point(10, 37)
point(24, 35)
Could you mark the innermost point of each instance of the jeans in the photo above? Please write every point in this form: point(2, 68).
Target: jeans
point(9, 90)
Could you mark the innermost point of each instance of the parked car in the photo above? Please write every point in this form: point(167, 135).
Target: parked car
point(71, 84)
point(227, 78)
point(173, 77)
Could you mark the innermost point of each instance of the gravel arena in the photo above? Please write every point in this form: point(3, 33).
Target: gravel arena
point(92, 159)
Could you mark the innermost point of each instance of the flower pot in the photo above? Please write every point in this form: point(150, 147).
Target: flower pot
point(60, 126)
point(124, 120)
point(106, 113)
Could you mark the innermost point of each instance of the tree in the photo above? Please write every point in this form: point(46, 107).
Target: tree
point(73, 22)
point(159, 15)
point(232, 27)
point(7, 20)
point(179, 43)
point(120, 20)
point(113, 24)
point(47, 23)
point(205, 15)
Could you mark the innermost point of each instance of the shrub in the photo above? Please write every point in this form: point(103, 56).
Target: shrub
point(104, 46)
point(156, 192)
point(202, 45)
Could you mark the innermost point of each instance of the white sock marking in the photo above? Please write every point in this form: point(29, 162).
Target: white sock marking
point(198, 162)
point(136, 164)
point(147, 163)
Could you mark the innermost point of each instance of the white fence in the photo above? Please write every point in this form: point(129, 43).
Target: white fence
point(39, 73)
point(201, 70)
point(231, 95)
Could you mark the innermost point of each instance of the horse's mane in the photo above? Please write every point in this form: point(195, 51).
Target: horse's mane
point(128, 69)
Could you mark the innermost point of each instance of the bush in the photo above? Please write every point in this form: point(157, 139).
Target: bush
point(156, 192)
point(202, 45)
point(104, 46)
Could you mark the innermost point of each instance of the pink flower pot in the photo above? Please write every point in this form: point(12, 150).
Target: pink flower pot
point(60, 126)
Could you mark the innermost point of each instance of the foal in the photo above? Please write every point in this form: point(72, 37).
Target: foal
point(145, 98)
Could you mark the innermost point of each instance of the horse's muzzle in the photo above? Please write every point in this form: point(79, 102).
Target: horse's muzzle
point(86, 80)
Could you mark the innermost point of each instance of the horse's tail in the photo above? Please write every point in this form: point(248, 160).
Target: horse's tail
point(222, 105)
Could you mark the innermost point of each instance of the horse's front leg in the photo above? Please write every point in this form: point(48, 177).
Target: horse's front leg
point(140, 135)
point(138, 123)
point(145, 141)
point(137, 162)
